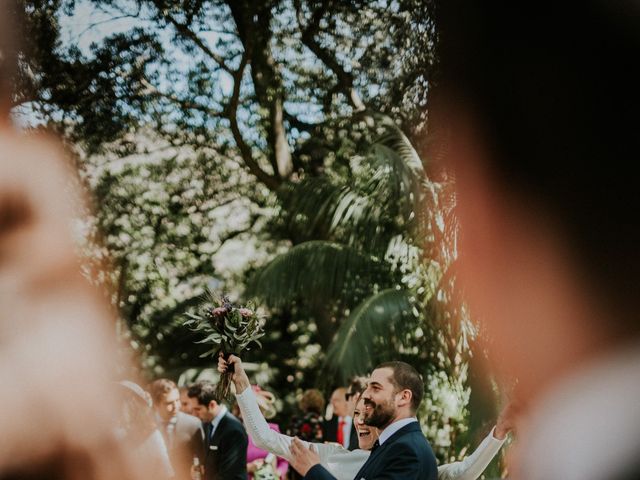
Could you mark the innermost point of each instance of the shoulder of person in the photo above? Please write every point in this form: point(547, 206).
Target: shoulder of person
point(189, 420)
point(231, 423)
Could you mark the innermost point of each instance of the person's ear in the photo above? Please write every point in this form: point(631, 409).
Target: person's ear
point(212, 405)
point(404, 397)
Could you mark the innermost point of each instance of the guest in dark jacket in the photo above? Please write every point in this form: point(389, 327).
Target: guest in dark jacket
point(226, 440)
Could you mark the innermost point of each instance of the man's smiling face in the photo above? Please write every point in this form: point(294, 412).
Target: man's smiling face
point(379, 399)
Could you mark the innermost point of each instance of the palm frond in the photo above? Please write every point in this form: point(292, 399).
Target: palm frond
point(355, 347)
point(381, 200)
point(323, 272)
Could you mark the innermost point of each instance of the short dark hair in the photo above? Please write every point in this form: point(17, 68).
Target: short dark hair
point(356, 386)
point(161, 387)
point(204, 391)
point(405, 377)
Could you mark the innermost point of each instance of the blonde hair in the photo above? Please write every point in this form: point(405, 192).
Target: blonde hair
point(312, 401)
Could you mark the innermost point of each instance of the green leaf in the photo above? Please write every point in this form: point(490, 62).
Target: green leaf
point(324, 268)
point(352, 352)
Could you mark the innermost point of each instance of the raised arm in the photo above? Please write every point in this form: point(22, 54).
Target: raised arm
point(472, 466)
point(257, 427)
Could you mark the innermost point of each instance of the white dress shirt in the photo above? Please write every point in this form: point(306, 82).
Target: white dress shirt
point(394, 427)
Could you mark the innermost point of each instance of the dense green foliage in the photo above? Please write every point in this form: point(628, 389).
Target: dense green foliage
point(262, 148)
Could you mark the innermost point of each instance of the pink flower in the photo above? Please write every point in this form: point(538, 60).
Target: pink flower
point(245, 312)
point(219, 312)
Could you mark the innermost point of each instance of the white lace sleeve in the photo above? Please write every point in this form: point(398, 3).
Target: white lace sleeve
point(339, 461)
point(472, 466)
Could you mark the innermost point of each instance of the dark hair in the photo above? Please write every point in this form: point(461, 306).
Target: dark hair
point(553, 89)
point(161, 387)
point(404, 376)
point(356, 386)
point(205, 392)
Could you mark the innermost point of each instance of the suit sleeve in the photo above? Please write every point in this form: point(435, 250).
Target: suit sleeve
point(233, 461)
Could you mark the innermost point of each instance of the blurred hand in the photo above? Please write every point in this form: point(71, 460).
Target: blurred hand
point(302, 459)
point(255, 465)
point(239, 376)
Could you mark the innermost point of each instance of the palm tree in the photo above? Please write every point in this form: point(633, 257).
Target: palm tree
point(360, 264)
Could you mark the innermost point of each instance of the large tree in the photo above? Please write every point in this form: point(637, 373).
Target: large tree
point(198, 123)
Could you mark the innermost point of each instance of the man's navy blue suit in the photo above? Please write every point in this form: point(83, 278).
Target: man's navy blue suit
point(405, 455)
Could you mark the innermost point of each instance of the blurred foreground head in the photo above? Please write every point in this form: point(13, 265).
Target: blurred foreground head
point(58, 356)
point(537, 106)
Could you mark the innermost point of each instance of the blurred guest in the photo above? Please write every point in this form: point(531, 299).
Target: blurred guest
point(340, 428)
point(58, 350)
point(137, 428)
point(185, 405)
point(538, 104)
point(182, 433)
point(226, 440)
point(307, 425)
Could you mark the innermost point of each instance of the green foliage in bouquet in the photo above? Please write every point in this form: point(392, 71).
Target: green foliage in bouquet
point(229, 328)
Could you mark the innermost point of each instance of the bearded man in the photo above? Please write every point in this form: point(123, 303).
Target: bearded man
point(391, 400)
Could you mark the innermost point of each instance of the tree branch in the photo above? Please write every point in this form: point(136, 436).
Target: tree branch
point(254, 23)
point(186, 32)
point(153, 91)
point(272, 182)
point(345, 79)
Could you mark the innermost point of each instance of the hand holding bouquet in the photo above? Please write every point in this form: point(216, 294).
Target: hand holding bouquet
point(229, 328)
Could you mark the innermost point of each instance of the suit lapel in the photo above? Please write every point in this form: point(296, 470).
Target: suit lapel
point(372, 461)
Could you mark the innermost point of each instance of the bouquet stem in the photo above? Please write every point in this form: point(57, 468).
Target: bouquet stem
point(223, 390)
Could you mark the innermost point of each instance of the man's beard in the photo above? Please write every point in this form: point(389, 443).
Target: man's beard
point(381, 414)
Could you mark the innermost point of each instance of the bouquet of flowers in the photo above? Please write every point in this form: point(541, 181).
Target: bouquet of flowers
point(229, 328)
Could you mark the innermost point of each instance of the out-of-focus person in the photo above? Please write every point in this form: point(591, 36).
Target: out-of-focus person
point(537, 105)
point(185, 404)
point(226, 440)
point(307, 424)
point(340, 428)
point(58, 357)
point(136, 427)
point(183, 434)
